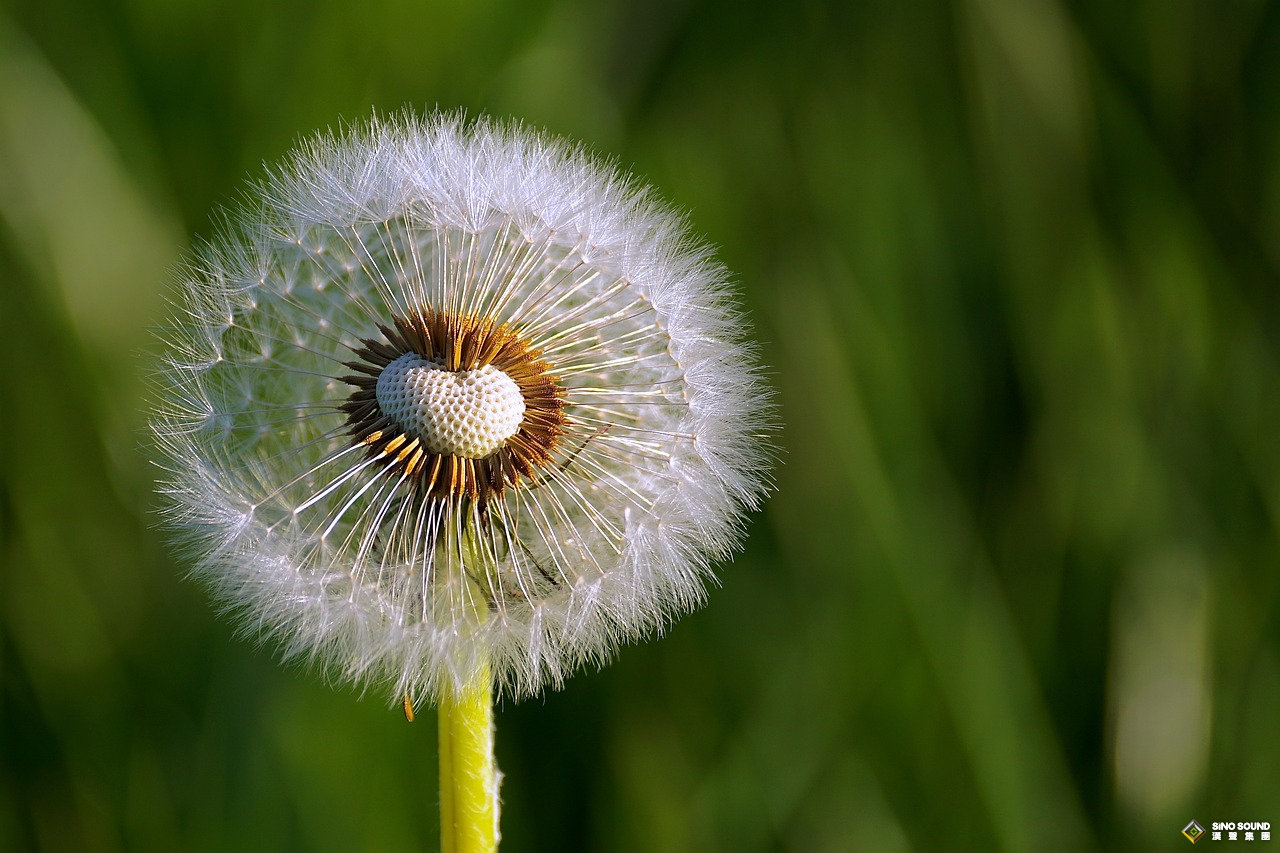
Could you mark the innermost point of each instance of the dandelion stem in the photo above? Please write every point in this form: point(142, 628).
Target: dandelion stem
point(468, 775)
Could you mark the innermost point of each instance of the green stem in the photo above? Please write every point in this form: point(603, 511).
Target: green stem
point(468, 774)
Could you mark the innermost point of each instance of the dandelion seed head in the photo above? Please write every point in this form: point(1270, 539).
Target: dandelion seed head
point(453, 392)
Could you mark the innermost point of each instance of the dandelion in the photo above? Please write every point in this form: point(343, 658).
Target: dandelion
point(453, 405)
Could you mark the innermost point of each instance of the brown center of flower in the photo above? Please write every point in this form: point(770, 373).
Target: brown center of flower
point(458, 405)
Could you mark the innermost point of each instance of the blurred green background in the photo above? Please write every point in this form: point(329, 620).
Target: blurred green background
point(1016, 267)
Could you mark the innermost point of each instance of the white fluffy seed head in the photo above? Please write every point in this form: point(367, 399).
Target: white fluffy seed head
point(414, 574)
point(468, 413)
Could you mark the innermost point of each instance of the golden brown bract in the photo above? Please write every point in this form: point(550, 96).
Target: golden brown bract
point(459, 342)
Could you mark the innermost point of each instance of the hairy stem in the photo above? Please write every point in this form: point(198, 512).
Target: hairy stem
point(469, 777)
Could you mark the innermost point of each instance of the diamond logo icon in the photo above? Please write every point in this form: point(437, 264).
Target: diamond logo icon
point(1193, 831)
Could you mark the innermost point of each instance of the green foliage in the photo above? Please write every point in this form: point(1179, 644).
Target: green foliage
point(1015, 264)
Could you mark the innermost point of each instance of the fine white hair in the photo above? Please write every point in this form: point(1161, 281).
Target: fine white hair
point(325, 547)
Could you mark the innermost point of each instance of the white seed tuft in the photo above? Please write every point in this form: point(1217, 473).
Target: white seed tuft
point(637, 460)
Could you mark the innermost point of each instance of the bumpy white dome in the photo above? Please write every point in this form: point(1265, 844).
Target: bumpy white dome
point(468, 413)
